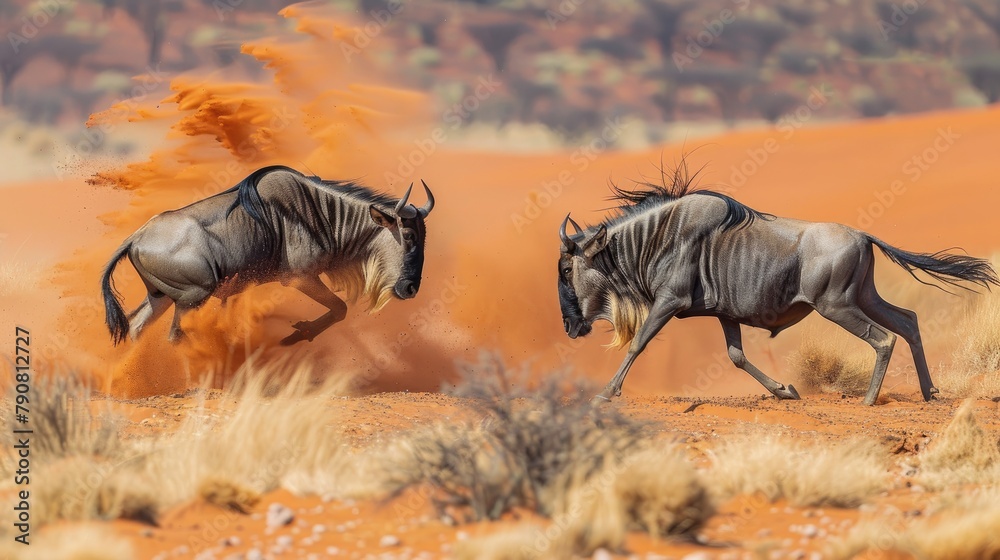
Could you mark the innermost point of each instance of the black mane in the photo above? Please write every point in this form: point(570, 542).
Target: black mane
point(675, 184)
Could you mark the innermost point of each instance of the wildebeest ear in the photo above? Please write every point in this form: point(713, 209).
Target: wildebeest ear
point(596, 243)
point(381, 218)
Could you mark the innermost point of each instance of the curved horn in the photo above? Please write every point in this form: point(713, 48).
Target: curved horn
point(567, 242)
point(402, 202)
point(575, 225)
point(429, 205)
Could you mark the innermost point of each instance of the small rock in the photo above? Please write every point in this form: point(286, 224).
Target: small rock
point(332, 550)
point(319, 528)
point(148, 533)
point(389, 540)
point(279, 516)
point(601, 554)
point(697, 556)
point(254, 554)
point(284, 541)
point(764, 533)
point(231, 541)
point(809, 531)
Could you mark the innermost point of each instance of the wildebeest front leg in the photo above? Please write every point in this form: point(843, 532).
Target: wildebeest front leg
point(661, 312)
point(308, 330)
point(734, 340)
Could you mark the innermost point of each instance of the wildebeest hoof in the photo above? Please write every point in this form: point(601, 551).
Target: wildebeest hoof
point(599, 400)
point(787, 393)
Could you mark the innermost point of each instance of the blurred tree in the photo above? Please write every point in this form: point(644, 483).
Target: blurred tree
point(663, 21)
point(989, 16)
point(495, 38)
point(67, 50)
point(149, 15)
point(900, 26)
point(621, 48)
point(750, 40)
point(729, 84)
point(798, 14)
point(983, 72)
point(772, 105)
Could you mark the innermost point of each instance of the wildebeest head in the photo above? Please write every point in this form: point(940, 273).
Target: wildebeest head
point(583, 288)
point(401, 246)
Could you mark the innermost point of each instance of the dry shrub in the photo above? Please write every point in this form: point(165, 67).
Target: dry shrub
point(530, 446)
point(963, 454)
point(830, 364)
point(523, 542)
point(838, 474)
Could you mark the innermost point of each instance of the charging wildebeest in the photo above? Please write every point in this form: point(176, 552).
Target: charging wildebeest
point(670, 251)
point(275, 225)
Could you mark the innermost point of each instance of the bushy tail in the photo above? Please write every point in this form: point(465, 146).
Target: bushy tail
point(943, 267)
point(113, 312)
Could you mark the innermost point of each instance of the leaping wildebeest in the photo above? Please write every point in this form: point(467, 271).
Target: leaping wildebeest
point(672, 251)
point(275, 225)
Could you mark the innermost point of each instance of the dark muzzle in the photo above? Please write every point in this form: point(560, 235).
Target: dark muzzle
point(406, 289)
point(576, 327)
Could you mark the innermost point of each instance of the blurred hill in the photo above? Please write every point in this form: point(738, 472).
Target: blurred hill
point(565, 66)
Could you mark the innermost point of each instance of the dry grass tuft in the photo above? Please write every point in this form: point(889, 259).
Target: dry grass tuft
point(838, 474)
point(871, 540)
point(88, 542)
point(229, 495)
point(662, 493)
point(968, 533)
point(524, 542)
point(281, 433)
point(833, 365)
point(963, 454)
point(979, 332)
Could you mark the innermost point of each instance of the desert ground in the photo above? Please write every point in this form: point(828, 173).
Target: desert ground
point(458, 424)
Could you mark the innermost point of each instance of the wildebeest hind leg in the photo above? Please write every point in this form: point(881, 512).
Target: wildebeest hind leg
point(317, 290)
point(734, 340)
point(904, 323)
point(854, 321)
point(148, 311)
point(175, 326)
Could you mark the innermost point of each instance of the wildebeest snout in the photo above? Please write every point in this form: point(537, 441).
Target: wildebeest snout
point(406, 289)
point(576, 327)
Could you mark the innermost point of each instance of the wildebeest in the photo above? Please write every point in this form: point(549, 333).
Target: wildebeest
point(672, 251)
point(275, 225)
